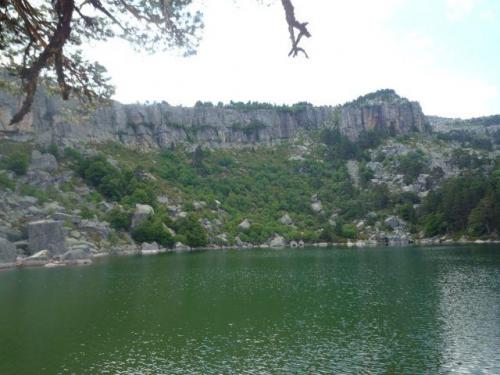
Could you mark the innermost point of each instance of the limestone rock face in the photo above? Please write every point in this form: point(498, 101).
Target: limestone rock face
point(160, 124)
point(46, 235)
point(7, 251)
point(382, 110)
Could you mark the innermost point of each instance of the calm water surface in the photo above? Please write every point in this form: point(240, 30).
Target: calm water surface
point(313, 311)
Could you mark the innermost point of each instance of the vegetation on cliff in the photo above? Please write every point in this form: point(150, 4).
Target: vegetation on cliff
point(324, 188)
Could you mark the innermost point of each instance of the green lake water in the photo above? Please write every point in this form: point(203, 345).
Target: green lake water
point(417, 310)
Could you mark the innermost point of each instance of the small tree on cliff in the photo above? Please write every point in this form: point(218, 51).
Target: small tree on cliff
point(44, 38)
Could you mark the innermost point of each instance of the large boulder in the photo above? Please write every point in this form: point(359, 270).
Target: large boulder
point(76, 254)
point(142, 213)
point(43, 162)
point(245, 224)
point(286, 220)
point(277, 241)
point(38, 259)
point(95, 229)
point(395, 222)
point(7, 251)
point(317, 206)
point(46, 235)
point(179, 246)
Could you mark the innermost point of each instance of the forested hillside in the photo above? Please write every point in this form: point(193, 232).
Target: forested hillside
point(324, 188)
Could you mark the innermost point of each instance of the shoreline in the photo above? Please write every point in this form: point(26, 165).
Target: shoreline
point(114, 252)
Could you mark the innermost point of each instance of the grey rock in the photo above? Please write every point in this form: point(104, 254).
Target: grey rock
point(53, 207)
point(199, 205)
point(245, 224)
point(142, 212)
point(286, 220)
point(22, 246)
point(76, 254)
point(163, 199)
point(41, 255)
point(277, 241)
point(61, 216)
point(353, 170)
point(38, 259)
point(46, 235)
point(360, 225)
point(160, 124)
point(181, 215)
point(222, 237)
point(95, 228)
point(14, 235)
point(43, 162)
point(150, 246)
point(179, 246)
point(7, 251)
point(317, 206)
point(104, 206)
point(27, 200)
point(395, 222)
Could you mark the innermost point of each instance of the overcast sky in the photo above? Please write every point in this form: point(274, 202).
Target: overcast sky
point(443, 53)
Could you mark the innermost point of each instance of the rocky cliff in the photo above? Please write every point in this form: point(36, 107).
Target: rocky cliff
point(160, 124)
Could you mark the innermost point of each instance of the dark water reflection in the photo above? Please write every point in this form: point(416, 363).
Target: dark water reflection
point(318, 311)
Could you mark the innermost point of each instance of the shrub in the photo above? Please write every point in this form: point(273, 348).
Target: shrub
point(6, 182)
point(434, 224)
point(54, 150)
point(87, 214)
point(72, 154)
point(17, 162)
point(153, 230)
point(119, 219)
point(411, 165)
point(349, 231)
point(192, 230)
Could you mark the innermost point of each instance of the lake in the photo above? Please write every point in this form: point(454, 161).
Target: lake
point(309, 311)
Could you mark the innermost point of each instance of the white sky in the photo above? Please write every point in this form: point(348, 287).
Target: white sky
point(357, 46)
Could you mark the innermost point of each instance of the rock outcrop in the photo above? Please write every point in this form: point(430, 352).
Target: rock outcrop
point(142, 212)
point(158, 125)
point(46, 235)
point(43, 162)
point(382, 110)
point(7, 251)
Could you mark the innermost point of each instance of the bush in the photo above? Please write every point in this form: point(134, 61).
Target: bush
point(411, 165)
point(87, 214)
point(54, 150)
point(6, 182)
point(434, 224)
point(17, 162)
point(153, 230)
point(349, 231)
point(119, 219)
point(191, 229)
point(72, 154)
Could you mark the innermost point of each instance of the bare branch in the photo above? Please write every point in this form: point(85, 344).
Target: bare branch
point(292, 25)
